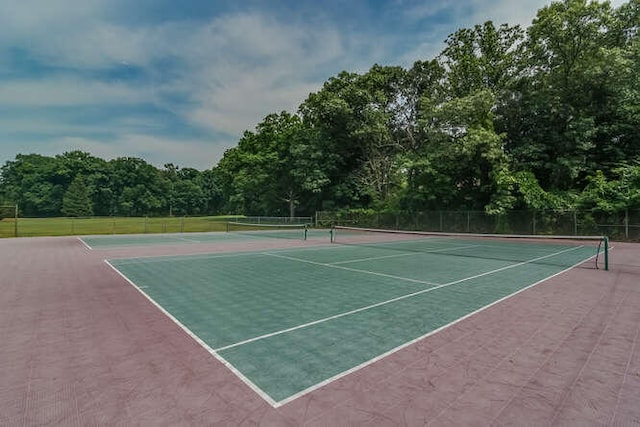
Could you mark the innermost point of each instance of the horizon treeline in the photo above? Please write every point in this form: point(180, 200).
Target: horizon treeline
point(501, 119)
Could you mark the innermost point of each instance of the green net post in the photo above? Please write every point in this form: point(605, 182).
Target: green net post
point(332, 234)
point(306, 230)
point(606, 253)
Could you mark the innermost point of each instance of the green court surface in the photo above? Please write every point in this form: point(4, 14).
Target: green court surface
point(289, 320)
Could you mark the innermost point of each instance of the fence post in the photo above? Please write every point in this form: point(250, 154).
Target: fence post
point(575, 223)
point(15, 223)
point(626, 223)
point(441, 224)
point(533, 222)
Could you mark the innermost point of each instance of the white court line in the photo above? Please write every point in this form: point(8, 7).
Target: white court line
point(188, 240)
point(221, 359)
point(405, 254)
point(423, 291)
point(390, 276)
point(85, 243)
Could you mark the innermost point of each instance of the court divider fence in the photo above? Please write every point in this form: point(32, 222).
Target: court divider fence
point(623, 225)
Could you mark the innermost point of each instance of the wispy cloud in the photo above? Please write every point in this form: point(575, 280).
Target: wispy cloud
point(68, 91)
point(155, 150)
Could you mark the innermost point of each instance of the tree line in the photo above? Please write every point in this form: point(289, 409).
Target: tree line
point(502, 119)
point(78, 184)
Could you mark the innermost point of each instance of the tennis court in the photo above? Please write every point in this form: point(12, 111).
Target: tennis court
point(367, 330)
point(235, 232)
point(288, 321)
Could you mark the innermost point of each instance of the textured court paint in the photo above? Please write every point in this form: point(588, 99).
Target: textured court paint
point(241, 310)
point(284, 365)
point(196, 338)
point(81, 347)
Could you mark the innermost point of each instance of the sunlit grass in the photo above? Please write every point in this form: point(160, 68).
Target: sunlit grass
point(111, 225)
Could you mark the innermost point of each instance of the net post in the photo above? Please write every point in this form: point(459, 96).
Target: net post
point(306, 229)
point(227, 226)
point(606, 253)
point(332, 234)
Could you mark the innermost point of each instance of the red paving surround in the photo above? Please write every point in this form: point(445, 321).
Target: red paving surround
point(80, 346)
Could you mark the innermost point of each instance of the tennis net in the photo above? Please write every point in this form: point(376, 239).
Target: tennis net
point(276, 231)
point(566, 251)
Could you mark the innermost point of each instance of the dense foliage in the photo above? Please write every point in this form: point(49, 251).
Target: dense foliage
point(77, 184)
point(503, 118)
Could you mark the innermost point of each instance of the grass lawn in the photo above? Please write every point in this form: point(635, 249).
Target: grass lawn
point(111, 225)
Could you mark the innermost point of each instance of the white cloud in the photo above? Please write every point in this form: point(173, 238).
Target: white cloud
point(246, 66)
point(20, 18)
point(201, 154)
point(68, 91)
point(418, 10)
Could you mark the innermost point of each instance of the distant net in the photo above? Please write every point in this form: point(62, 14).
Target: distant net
point(564, 251)
point(276, 231)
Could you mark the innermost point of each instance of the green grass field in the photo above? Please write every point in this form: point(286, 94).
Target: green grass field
point(30, 227)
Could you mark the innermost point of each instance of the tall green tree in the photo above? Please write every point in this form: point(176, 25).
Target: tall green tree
point(462, 164)
point(138, 188)
point(266, 173)
point(77, 199)
point(32, 182)
point(560, 103)
point(482, 57)
point(363, 124)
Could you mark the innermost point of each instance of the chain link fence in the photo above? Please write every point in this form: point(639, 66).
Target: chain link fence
point(12, 226)
point(617, 226)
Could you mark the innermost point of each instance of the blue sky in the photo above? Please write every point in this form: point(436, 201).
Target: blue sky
point(179, 81)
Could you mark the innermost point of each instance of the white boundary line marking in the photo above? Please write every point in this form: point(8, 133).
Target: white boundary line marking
point(389, 301)
point(405, 279)
point(84, 243)
point(197, 339)
point(189, 240)
point(415, 340)
point(405, 254)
